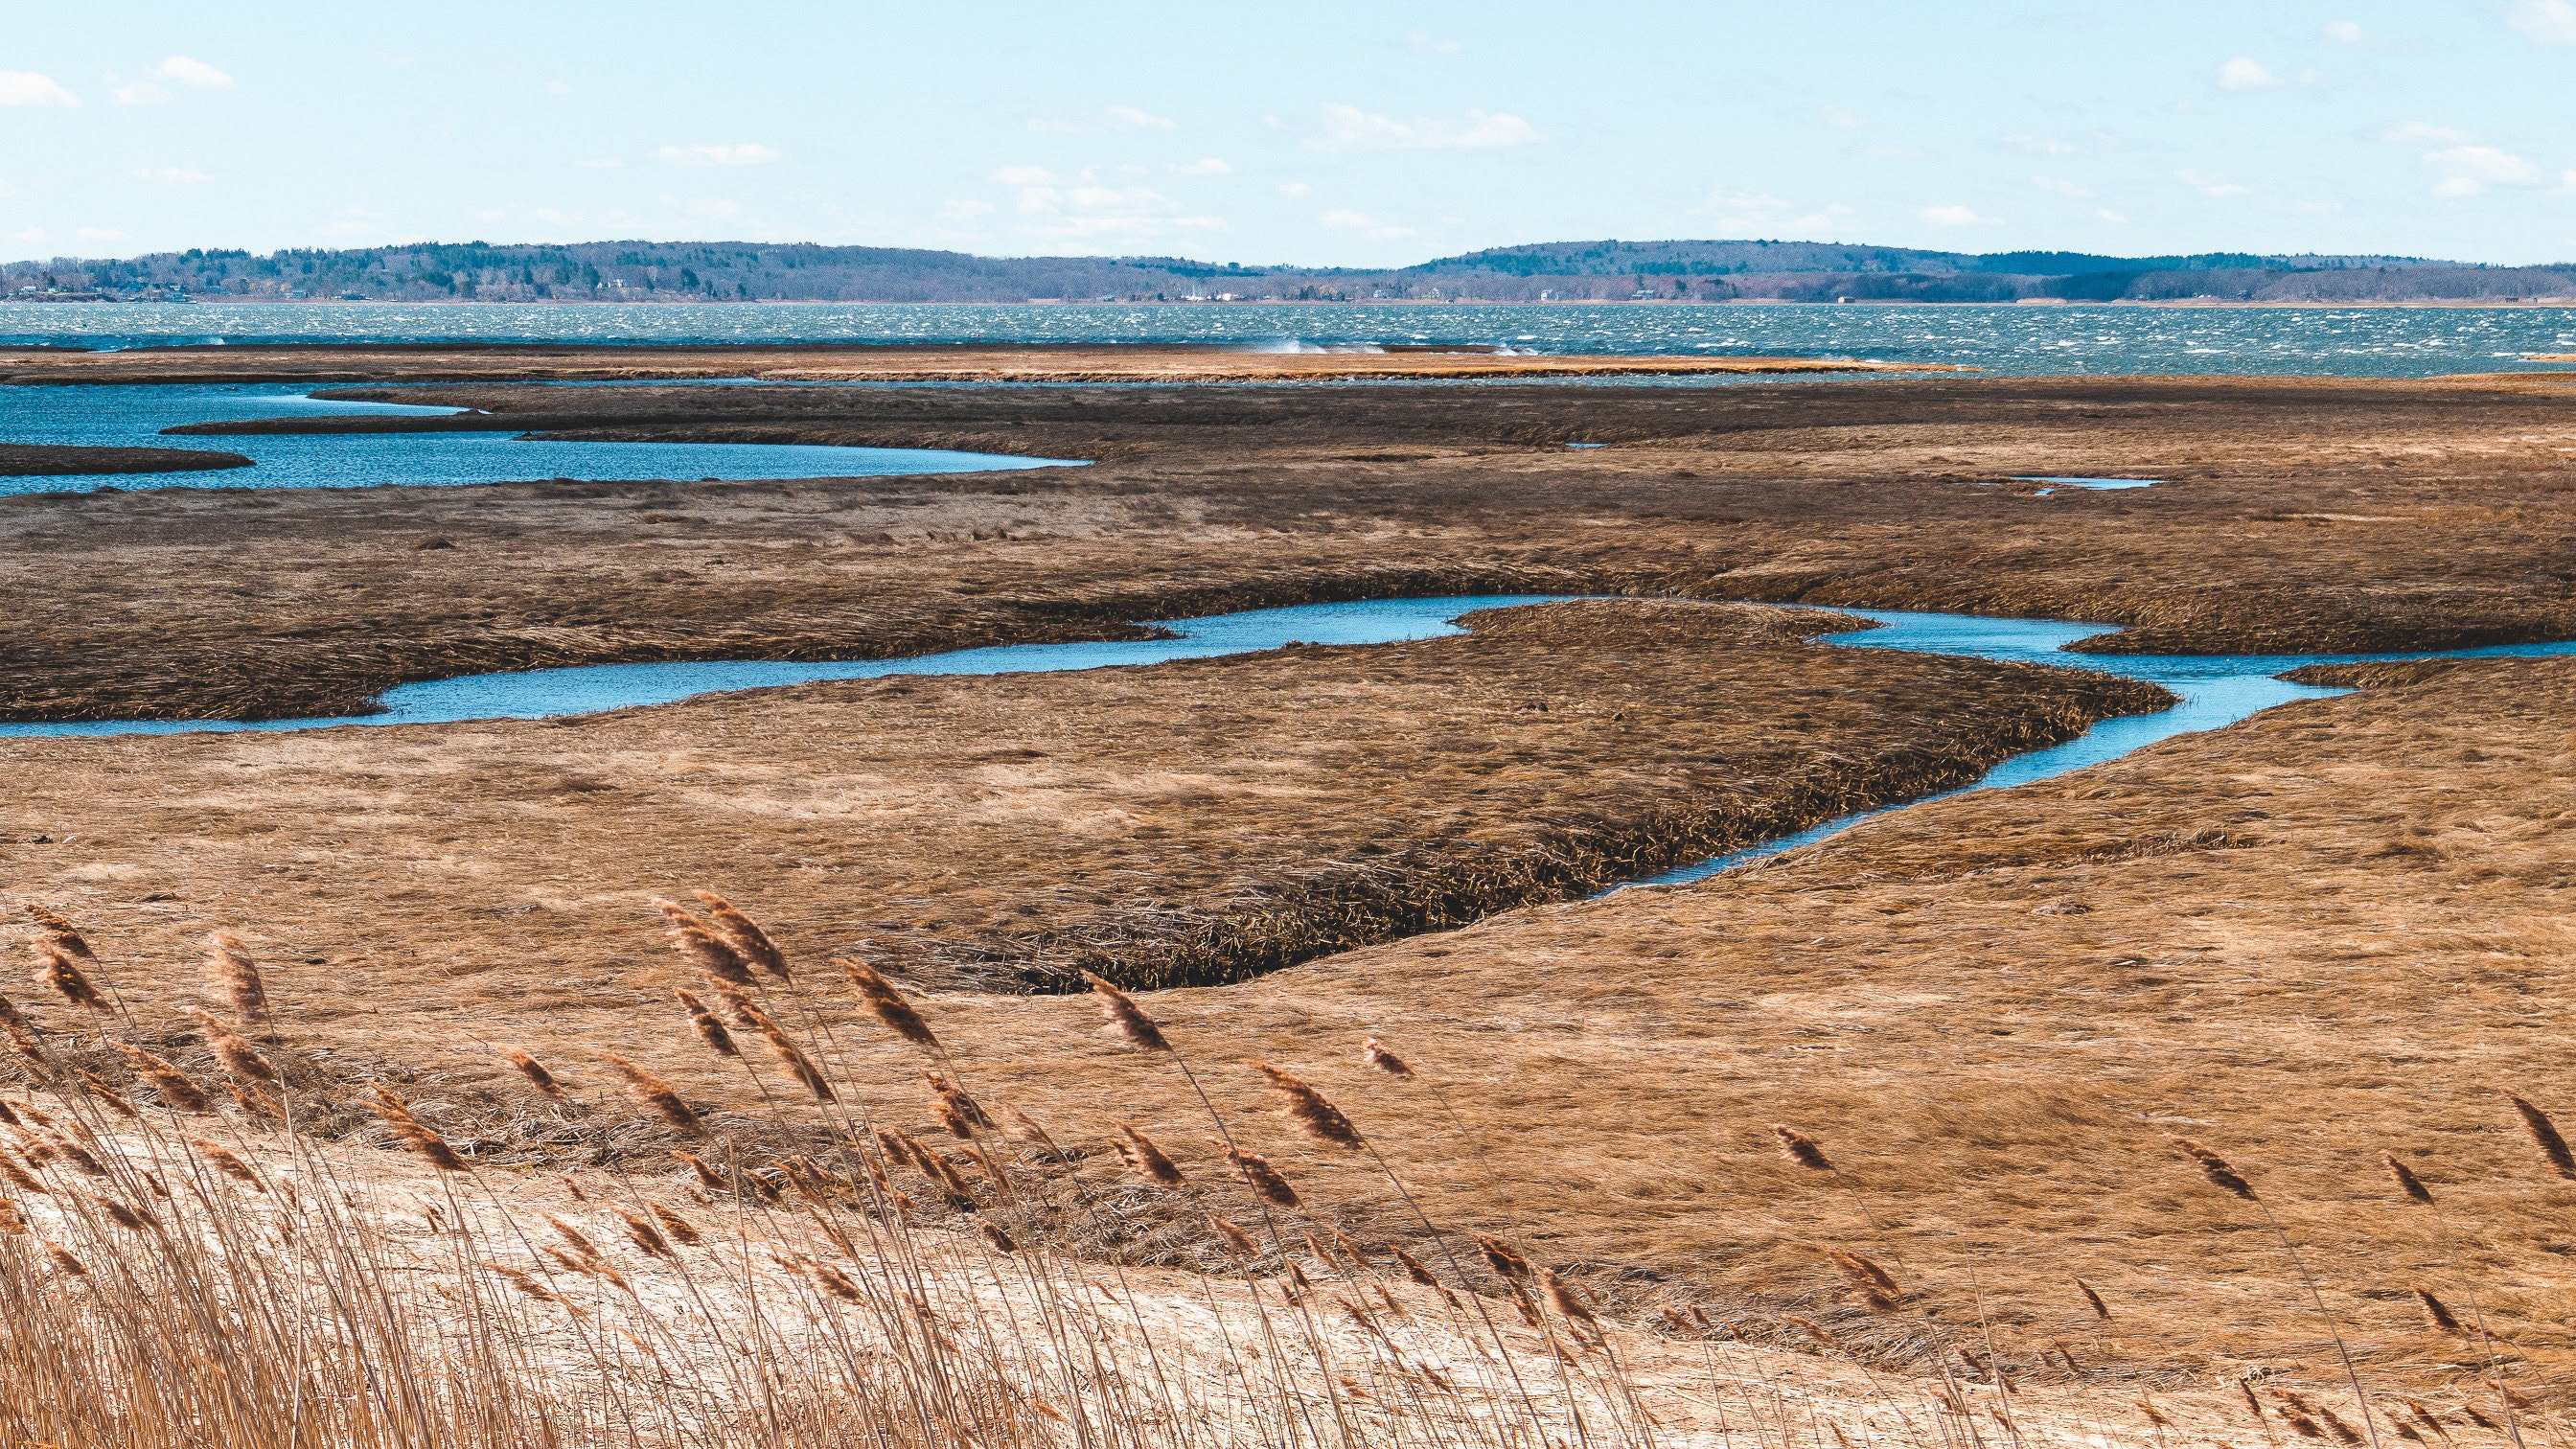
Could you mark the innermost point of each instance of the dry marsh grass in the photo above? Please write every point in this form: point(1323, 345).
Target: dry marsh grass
point(2293, 518)
point(177, 1273)
point(1200, 821)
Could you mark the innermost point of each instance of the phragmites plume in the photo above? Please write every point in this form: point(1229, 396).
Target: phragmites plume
point(1801, 1148)
point(1503, 1258)
point(2100, 1308)
point(231, 971)
point(1562, 1297)
point(1414, 1267)
point(700, 943)
point(234, 1050)
point(892, 1012)
point(57, 969)
point(226, 1163)
point(415, 1134)
point(995, 1235)
point(641, 1231)
point(1875, 1286)
point(658, 1095)
point(2215, 1168)
point(1385, 1061)
point(107, 1095)
point(1259, 1175)
point(1029, 1131)
point(961, 1114)
point(177, 1089)
point(1125, 1017)
point(681, 1230)
point(1147, 1160)
point(743, 934)
point(2407, 1182)
point(65, 936)
point(1235, 1238)
point(546, 1082)
point(2436, 1312)
point(22, 1032)
point(1322, 1120)
point(710, 1029)
point(798, 1064)
point(2544, 1135)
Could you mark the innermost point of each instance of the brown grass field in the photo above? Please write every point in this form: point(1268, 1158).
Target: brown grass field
point(2337, 930)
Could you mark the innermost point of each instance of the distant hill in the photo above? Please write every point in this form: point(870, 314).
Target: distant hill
point(1589, 270)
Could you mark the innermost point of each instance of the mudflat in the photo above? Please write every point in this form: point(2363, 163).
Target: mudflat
point(40, 460)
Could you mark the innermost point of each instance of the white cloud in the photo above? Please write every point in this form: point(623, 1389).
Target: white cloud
point(740, 154)
point(1361, 221)
point(1128, 118)
point(138, 93)
point(2208, 185)
point(1295, 188)
point(26, 88)
point(965, 210)
point(1024, 176)
point(1084, 211)
point(2350, 35)
point(194, 73)
point(1760, 214)
point(2246, 74)
point(2040, 145)
point(2468, 170)
point(174, 175)
point(1840, 119)
point(2547, 22)
point(1954, 216)
point(1348, 128)
point(28, 235)
point(2418, 131)
point(1421, 44)
point(2113, 217)
point(2059, 186)
point(1204, 166)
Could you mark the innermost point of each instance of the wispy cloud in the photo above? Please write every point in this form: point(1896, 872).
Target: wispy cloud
point(2468, 170)
point(1840, 119)
point(2546, 22)
point(746, 153)
point(1129, 118)
point(1361, 221)
point(2465, 166)
point(1421, 44)
point(1083, 210)
point(178, 70)
point(1955, 216)
point(1295, 188)
point(27, 88)
point(1024, 176)
point(2245, 73)
point(174, 175)
point(2208, 185)
point(1759, 213)
point(1348, 128)
point(2350, 35)
point(1204, 166)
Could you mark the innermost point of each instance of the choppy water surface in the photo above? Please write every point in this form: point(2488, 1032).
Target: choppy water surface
point(2040, 341)
point(133, 417)
point(2213, 690)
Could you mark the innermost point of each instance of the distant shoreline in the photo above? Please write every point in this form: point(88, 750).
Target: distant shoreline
point(2559, 304)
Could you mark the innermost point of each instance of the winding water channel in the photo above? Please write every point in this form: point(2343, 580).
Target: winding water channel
point(2212, 690)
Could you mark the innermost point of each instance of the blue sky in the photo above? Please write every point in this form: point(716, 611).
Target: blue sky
point(1320, 133)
